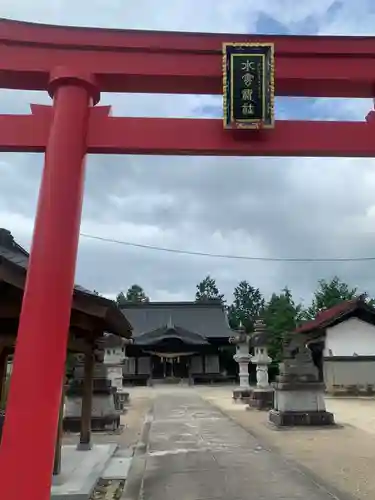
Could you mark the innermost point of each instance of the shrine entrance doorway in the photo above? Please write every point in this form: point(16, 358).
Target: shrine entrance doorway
point(170, 366)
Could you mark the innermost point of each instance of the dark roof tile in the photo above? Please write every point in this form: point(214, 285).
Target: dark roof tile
point(207, 319)
point(11, 251)
point(158, 335)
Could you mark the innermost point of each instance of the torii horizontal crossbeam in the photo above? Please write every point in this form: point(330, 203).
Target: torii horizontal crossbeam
point(145, 61)
point(180, 136)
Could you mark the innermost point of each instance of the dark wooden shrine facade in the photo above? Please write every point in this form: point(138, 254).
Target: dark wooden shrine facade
point(177, 340)
point(91, 316)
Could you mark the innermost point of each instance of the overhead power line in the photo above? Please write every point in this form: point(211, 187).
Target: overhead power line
point(228, 256)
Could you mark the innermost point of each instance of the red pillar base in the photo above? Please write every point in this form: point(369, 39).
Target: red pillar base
point(29, 434)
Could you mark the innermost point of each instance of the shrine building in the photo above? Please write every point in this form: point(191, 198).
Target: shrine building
point(178, 341)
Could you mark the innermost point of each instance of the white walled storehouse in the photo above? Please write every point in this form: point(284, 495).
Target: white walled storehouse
point(342, 339)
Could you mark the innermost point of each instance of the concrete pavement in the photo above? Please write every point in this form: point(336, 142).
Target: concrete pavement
point(195, 452)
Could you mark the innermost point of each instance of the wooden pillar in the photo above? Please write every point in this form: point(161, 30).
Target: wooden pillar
point(4, 352)
point(151, 377)
point(57, 460)
point(189, 361)
point(203, 363)
point(85, 434)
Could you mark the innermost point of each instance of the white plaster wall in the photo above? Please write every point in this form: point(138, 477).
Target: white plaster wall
point(351, 337)
point(343, 375)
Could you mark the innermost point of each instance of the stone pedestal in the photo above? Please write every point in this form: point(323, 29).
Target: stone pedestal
point(299, 396)
point(242, 356)
point(299, 404)
point(104, 415)
point(242, 395)
point(262, 399)
point(114, 374)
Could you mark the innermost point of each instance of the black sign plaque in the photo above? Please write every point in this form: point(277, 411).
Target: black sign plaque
point(248, 85)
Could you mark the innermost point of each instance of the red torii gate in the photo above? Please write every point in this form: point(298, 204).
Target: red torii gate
point(74, 65)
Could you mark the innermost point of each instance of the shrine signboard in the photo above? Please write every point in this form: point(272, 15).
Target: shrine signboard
point(248, 85)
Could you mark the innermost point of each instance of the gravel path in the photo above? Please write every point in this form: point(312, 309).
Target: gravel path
point(343, 457)
point(195, 452)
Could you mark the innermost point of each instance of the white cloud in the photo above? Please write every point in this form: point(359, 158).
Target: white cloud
point(245, 206)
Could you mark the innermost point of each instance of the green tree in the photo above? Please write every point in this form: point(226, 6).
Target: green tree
point(329, 294)
point(248, 304)
point(281, 315)
point(136, 294)
point(208, 290)
point(121, 299)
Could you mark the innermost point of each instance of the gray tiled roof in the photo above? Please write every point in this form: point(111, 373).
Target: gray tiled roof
point(11, 251)
point(204, 318)
point(158, 335)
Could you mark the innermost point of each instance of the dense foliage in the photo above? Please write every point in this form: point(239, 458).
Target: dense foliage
point(281, 313)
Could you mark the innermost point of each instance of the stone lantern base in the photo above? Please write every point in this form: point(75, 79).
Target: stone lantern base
point(242, 394)
point(299, 418)
point(261, 399)
point(300, 404)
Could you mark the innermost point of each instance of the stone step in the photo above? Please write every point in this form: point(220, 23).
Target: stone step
point(118, 467)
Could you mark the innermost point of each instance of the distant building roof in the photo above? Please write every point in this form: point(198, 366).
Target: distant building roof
point(207, 319)
point(339, 312)
point(170, 332)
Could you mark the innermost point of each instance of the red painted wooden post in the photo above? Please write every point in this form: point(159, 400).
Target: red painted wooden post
point(29, 434)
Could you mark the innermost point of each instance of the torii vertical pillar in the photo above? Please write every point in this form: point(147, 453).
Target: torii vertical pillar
point(29, 434)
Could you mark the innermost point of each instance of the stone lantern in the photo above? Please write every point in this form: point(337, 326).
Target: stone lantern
point(242, 357)
point(262, 395)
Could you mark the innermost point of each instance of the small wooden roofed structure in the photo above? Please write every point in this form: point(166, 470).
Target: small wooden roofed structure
point(91, 317)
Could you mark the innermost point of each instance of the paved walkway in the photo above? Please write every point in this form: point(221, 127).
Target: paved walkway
point(195, 452)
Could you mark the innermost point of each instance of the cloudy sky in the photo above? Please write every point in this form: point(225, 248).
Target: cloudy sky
point(244, 206)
